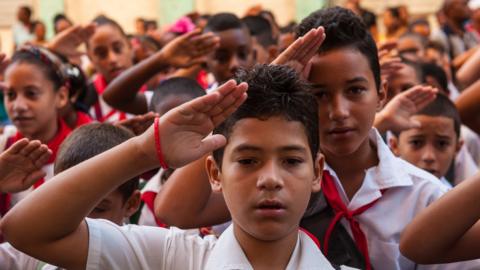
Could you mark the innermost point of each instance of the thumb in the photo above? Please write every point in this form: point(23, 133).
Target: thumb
point(414, 124)
point(211, 143)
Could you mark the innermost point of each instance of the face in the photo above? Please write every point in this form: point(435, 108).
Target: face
point(390, 21)
point(431, 147)
point(114, 208)
point(31, 101)
point(401, 80)
point(458, 10)
point(109, 51)
point(348, 101)
point(440, 59)
point(411, 48)
point(266, 180)
point(422, 29)
point(235, 51)
point(40, 31)
point(62, 25)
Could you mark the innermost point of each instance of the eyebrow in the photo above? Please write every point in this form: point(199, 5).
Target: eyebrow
point(353, 80)
point(287, 148)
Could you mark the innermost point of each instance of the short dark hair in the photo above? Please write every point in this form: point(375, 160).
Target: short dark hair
point(442, 106)
point(343, 29)
point(104, 20)
point(261, 29)
point(436, 72)
point(175, 86)
point(59, 17)
point(90, 140)
point(419, 21)
point(416, 66)
point(28, 10)
point(223, 22)
point(274, 90)
point(423, 41)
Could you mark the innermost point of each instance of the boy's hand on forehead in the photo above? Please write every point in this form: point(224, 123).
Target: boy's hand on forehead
point(396, 114)
point(67, 42)
point(189, 49)
point(139, 123)
point(184, 130)
point(21, 165)
point(300, 52)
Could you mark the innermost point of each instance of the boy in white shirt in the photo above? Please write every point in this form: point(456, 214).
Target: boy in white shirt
point(266, 181)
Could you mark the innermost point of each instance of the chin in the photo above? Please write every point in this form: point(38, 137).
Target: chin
point(270, 232)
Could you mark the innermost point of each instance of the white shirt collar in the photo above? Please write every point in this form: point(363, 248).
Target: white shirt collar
point(228, 254)
point(388, 173)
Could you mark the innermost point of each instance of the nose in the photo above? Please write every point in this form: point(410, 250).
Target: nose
point(339, 110)
point(19, 104)
point(234, 64)
point(112, 57)
point(428, 155)
point(269, 177)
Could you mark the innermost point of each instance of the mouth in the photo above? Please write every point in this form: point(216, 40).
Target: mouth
point(270, 208)
point(22, 119)
point(432, 171)
point(341, 131)
point(116, 71)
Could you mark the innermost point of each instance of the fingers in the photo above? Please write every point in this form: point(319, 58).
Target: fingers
point(32, 178)
point(18, 146)
point(30, 147)
point(314, 42)
point(210, 144)
point(38, 152)
point(228, 100)
point(43, 159)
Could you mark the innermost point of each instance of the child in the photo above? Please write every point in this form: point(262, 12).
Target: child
point(110, 53)
point(266, 184)
point(364, 183)
point(84, 143)
point(266, 46)
point(36, 89)
point(183, 51)
point(433, 145)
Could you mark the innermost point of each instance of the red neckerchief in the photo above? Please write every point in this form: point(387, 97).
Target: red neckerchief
point(202, 79)
point(82, 119)
point(149, 198)
point(341, 211)
point(53, 145)
point(100, 84)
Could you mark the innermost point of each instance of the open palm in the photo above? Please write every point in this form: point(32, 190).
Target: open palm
point(21, 165)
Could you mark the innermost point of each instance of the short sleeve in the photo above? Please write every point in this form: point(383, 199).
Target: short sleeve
point(144, 247)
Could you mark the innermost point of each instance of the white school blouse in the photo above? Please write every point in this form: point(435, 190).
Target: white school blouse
point(406, 191)
point(144, 247)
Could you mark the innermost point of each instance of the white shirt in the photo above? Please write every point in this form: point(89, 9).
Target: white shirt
point(145, 247)
point(13, 259)
point(407, 190)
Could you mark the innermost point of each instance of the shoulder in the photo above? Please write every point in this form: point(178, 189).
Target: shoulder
point(143, 247)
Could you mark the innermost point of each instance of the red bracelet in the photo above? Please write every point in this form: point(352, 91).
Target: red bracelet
point(158, 146)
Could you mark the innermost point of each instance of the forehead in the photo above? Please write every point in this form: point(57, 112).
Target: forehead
point(406, 72)
point(272, 133)
point(105, 34)
point(24, 73)
point(346, 63)
point(433, 125)
point(408, 42)
point(234, 38)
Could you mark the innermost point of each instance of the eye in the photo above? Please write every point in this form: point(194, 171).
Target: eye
point(247, 161)
point(416, 143)
point(118, 48)
point(11, 95)
point(293, 161)
point(99, 210)
point(320, 94)
point(442, 144)
point(101, 53)
point(222, 57)
point(356, 90)
point(243, 54)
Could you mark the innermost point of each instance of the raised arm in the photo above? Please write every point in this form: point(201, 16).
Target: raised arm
point(448, 230)
point(198, 206)
point(58, 208)
point(184, 51)
point(468, 72)
point(468, 106)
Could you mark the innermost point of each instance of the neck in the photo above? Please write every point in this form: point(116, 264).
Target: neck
point(267, 254)
point(70, 116)
point(47, 134)
point(352, 176)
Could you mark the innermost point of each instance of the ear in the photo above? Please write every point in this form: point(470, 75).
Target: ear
point(214, 174)
point(393, 143)
point(382, 95)
point(272, 51)
point(61, 97)
point(459, 145)
point(319, 165)
point(132, 204)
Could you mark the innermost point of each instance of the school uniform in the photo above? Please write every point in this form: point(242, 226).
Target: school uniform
point(13, 259)
point(7, 200)
point(100, 110)
point(392, 194)
point(464, 166)
point(144, 247)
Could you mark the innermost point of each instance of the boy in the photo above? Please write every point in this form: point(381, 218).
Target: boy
point(266, 46)
point(371, 181)
point(84, 143)
point(433, 145)
point(266, 180)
